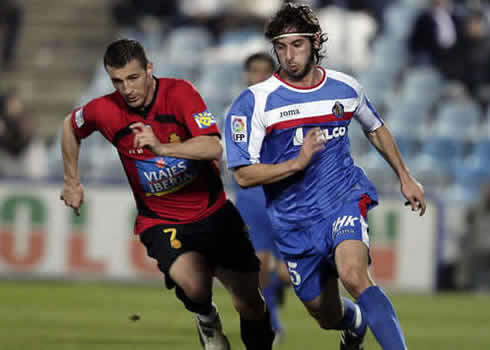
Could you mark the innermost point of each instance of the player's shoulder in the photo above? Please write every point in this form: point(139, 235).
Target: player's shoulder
point(177, 85)
point(104, 103)
point(344, 78)
point(265, 87)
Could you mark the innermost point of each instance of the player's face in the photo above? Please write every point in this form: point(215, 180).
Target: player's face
point(259, 70)
point(133, 82)
point(295, 56)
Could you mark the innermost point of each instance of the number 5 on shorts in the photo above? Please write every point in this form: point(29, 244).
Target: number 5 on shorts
point(174, 242)
point(293, 274)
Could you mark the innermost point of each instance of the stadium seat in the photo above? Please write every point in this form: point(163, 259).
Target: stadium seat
point(398, 19)
point(389, 56)
point(480, 156)
point(459, 120)
point(423, 86)
point(469, 177)
point(378, 171)
point(166, 68)
point(187, 44)
point(446, 152)
point(426, 171)
point(220, 80)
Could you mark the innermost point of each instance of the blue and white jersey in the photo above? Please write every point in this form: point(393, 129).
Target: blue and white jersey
point(267, 123)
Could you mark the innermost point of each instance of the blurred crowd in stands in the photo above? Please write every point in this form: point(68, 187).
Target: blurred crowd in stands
point(425, 64)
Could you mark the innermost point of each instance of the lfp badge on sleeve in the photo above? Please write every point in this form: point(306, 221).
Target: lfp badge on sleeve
point(239, 128)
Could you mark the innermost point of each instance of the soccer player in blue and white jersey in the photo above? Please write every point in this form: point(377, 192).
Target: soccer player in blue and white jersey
point(290, 134)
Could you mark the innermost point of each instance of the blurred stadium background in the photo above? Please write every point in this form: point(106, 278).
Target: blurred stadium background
point(437, 109)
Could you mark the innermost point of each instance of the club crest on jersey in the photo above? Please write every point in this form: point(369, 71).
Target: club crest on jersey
point(239, 128)
point(204, 119)
point(173, 138)
point(338, 109)
point(79, 121)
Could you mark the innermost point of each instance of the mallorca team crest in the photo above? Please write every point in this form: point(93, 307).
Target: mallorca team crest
point(338, 109)
point(173, 138)
point(204, 119)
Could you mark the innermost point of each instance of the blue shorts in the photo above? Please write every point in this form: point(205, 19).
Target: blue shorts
point(310, 270)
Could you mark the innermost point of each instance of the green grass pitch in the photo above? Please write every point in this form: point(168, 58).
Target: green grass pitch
point(88, 316)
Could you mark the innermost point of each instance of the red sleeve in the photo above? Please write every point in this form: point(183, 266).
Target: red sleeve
point(191, 109)
point(84, 120)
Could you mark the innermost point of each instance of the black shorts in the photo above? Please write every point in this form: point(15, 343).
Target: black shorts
point(221, 238)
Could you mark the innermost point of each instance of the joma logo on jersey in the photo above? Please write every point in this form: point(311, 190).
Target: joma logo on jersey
point(343, 223)
point(289, 113)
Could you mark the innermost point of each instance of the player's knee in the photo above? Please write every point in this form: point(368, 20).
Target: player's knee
point(354, 278)
point(197, 293)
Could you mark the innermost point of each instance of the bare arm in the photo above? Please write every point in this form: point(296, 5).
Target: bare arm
point(72, 193)
point(260, 174)
point(196, 148)
point(413, 191)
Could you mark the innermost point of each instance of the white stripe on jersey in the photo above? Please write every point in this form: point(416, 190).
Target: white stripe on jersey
point(306, 110)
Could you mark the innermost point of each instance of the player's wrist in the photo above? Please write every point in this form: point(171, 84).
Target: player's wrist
point(72, 181)
point(296, 165)
point(159, 149)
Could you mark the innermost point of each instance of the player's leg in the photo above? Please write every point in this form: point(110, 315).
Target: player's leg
point(255, 325)
point(237, 267)
point(332, 311)
point(189, 271)
point(268, 282)
point(352, 264)
point(193, 276)
point(315, 283)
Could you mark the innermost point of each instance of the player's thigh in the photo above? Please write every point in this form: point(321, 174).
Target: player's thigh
point(192, 273)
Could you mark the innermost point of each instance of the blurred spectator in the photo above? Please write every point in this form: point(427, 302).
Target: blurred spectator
point(435, 36)
point(474, 55)
point(143, 13)
point(21, 154)
point(10, 22)
point(205, 13)
point(14, 136)
point(474, 268)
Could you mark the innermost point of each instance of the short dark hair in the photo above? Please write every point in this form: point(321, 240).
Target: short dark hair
point(259, 56)
point(300, 17)
point(120, 52)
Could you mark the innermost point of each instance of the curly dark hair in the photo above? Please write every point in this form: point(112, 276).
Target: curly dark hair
point(302, 19)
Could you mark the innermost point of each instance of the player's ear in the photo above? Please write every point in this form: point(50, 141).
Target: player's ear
point(149, 68)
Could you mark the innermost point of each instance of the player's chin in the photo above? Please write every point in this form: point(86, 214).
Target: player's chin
point(135, 103)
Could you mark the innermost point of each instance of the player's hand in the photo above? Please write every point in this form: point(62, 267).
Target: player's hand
point(414, 193)
point(313, 142)
point(145, 137)
point(72, 195)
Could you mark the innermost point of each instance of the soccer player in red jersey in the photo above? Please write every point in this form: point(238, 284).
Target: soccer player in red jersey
point(169, 144)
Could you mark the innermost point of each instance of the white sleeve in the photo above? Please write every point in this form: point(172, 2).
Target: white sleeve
point(366, 114)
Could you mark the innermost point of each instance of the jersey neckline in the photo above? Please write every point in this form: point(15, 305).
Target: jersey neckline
point(301, 88)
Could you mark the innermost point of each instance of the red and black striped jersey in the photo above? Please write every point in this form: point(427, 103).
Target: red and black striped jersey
point(166, 189)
